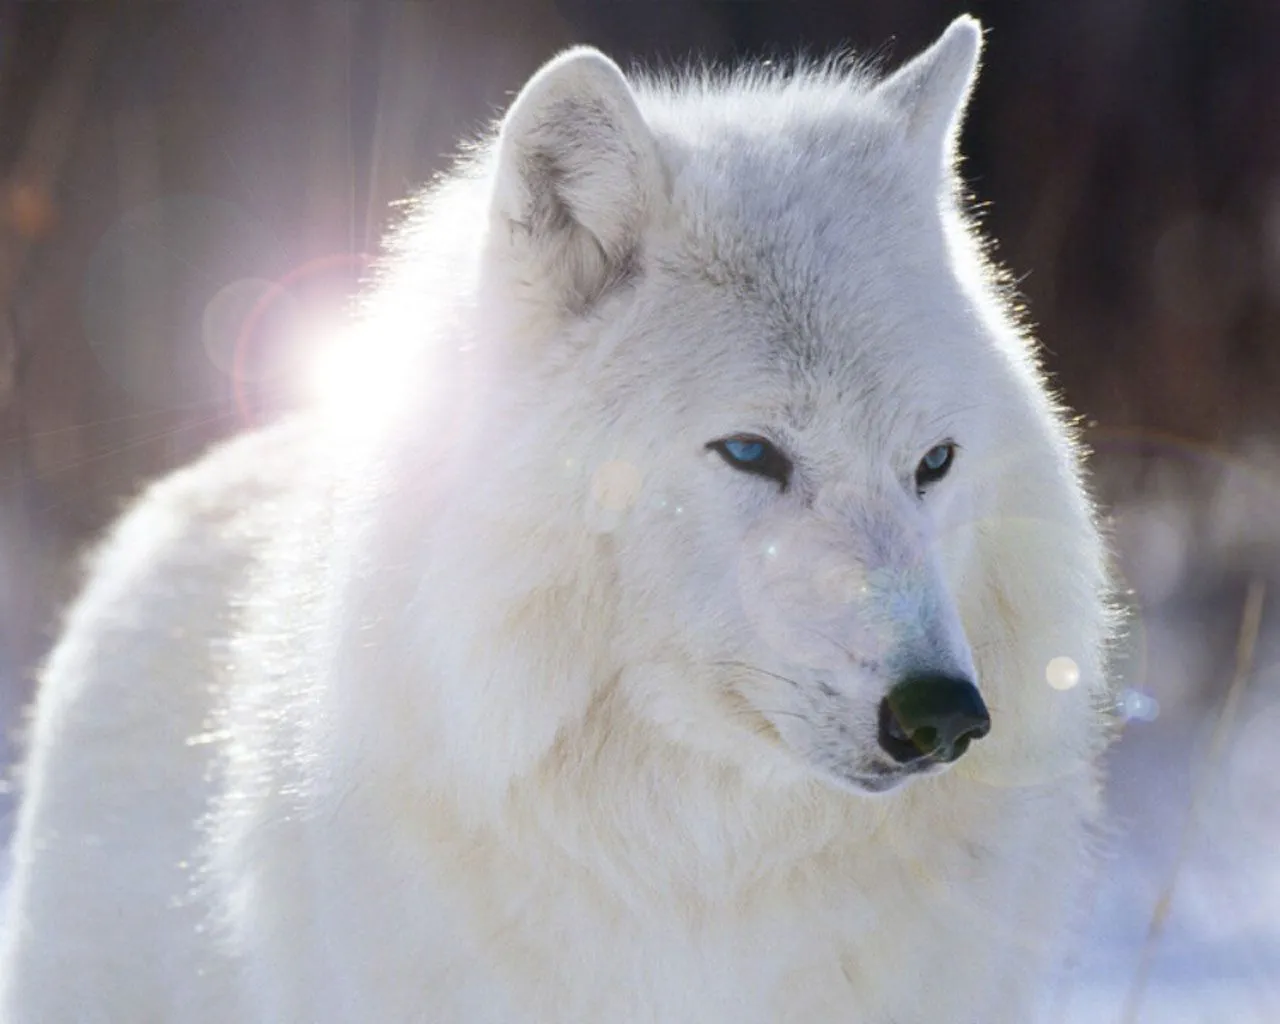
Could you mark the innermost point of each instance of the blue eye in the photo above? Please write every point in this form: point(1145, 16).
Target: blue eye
point(937, 457)
point(935, 464)
point(755, 455)
point(744, 451)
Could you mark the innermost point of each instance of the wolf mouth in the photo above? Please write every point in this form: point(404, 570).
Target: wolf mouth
point(877, 778)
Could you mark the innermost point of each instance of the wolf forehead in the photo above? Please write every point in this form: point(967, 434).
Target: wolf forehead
point(786, 182)
point(800, 214)
point(790, 148)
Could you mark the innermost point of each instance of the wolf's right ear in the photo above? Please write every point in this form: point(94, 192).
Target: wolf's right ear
point(578, 176)
point(931, 91)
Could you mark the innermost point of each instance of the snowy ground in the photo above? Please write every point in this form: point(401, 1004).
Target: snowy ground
point(1191, 539)
point(1217, 958)
point(1193, 532)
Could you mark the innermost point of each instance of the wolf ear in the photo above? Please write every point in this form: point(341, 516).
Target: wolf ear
point(931, 91)
point(578, 176)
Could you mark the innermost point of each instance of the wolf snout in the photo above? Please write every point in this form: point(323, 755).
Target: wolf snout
point(932, 717)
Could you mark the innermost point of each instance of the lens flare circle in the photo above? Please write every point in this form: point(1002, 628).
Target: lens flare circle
point(1062, 673)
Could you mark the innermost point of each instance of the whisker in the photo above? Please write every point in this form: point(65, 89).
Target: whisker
point(863, 662)
point(771, 711)
point(757, 668)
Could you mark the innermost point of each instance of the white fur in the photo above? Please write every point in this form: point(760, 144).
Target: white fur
point(518, 704)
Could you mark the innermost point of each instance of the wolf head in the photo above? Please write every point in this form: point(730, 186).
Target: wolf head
point(787, 477)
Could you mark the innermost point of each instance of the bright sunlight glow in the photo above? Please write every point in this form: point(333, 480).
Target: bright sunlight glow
point(355, 373)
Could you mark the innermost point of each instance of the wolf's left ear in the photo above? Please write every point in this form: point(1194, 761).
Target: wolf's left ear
point(578, 176)
point(931, 91)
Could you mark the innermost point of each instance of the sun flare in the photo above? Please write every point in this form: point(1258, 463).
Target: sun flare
point(356, 373)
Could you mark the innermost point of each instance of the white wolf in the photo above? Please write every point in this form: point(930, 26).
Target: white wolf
point(617, 671)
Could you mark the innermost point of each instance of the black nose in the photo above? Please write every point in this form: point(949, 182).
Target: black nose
point(932, 716)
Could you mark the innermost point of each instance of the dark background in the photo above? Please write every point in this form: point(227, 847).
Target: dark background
point(153, 154)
